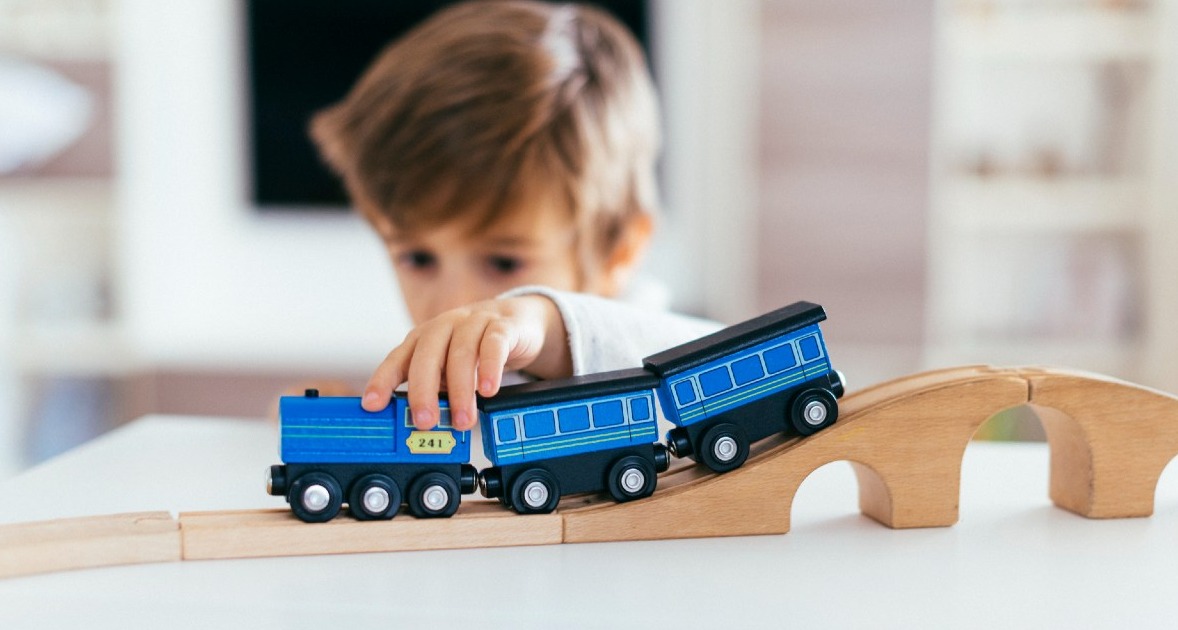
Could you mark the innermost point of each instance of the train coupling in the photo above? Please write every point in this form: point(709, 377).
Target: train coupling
point(838, 383)
point(491, 483)
point(468, 479)
point(662, 458)
point(276, 483)
point(678, 443)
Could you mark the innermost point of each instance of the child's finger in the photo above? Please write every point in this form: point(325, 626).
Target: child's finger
point(493, 354)
point(460, 371)
point(425, 373)
point(388, 375)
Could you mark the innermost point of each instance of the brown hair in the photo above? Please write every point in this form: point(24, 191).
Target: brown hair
point(487, 104)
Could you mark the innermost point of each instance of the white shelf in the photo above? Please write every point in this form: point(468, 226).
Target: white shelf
point(103, 349)
point(1049, 34)
point(63, 194)
point(74, 349)
point(1067, 204)
point(60, 30)
point(1037, 270)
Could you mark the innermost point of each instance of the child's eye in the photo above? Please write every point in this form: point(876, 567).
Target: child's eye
point(504, 265)
point(417, 259)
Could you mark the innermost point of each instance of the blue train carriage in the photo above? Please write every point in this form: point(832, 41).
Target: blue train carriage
point(582, 434)
point(336, 453)
point(746, 382)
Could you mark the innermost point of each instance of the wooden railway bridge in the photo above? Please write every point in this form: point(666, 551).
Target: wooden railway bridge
point(1109, 440)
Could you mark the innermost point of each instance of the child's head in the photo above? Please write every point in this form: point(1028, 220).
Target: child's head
point(500, 144)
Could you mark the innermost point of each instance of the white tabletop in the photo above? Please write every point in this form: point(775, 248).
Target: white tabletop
point(1013, 560)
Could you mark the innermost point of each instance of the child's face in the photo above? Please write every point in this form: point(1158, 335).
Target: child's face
point(444, 267)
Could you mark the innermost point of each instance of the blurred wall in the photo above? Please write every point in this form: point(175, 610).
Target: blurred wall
point(205, 280)
point(844, 162)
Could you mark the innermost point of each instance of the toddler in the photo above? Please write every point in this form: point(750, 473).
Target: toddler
point(504, 152)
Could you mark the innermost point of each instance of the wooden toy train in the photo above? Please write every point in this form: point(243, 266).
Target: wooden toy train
point(551, 438)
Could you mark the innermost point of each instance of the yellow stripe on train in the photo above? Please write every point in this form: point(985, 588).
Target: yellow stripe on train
point(767, 386)
point(596, 438)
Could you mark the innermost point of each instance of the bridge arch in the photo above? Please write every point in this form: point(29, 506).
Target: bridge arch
point(828, 491)
point(1110, 441)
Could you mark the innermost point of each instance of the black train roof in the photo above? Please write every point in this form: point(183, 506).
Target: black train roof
point(734, 338)
point(569, 389)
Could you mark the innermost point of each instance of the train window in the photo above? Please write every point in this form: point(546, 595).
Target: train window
point(639, 409)
point(809, 348)
point(608, 414)
point(684, 393)
point(539, 424)
point(443, 418)
point(747, 370)
point(780, 358)
point(715, 380)
point(573, 418)
point(505, 427)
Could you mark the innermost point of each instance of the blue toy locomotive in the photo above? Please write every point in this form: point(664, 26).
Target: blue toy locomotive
point(332, 449)
point(546, 439)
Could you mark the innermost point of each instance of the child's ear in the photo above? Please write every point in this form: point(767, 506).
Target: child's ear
point(623, 260)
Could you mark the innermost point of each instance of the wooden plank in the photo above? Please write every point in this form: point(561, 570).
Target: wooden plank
point(92, 541)
point(271, 533)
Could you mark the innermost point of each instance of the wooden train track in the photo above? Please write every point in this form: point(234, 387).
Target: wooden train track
point(1109, 441)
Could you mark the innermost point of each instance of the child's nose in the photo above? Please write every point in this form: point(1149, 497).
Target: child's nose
point(459, 292)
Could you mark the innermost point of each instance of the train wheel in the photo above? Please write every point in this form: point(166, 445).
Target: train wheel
point(374, 498)
point(630, 478)
point(535, 491)
point(812, 411)
point(433, 495)
point(316, 497)
point(724, 447)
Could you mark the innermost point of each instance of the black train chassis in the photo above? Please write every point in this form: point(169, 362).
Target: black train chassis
point(284, 478)
point(574, 474)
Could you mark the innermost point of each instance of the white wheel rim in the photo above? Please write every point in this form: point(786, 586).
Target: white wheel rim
point(725, 449)
point(316, 498)
point(536, 494)
point(633, 480)
point(814, 413)
point(435, 497)
point(376, 500)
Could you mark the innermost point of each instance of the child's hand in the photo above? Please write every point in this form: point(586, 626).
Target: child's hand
point(469, 345)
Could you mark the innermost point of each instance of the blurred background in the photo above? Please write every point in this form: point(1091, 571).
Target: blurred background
point(957, 181)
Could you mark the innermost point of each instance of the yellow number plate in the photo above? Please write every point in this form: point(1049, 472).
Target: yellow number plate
point(431, 442)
